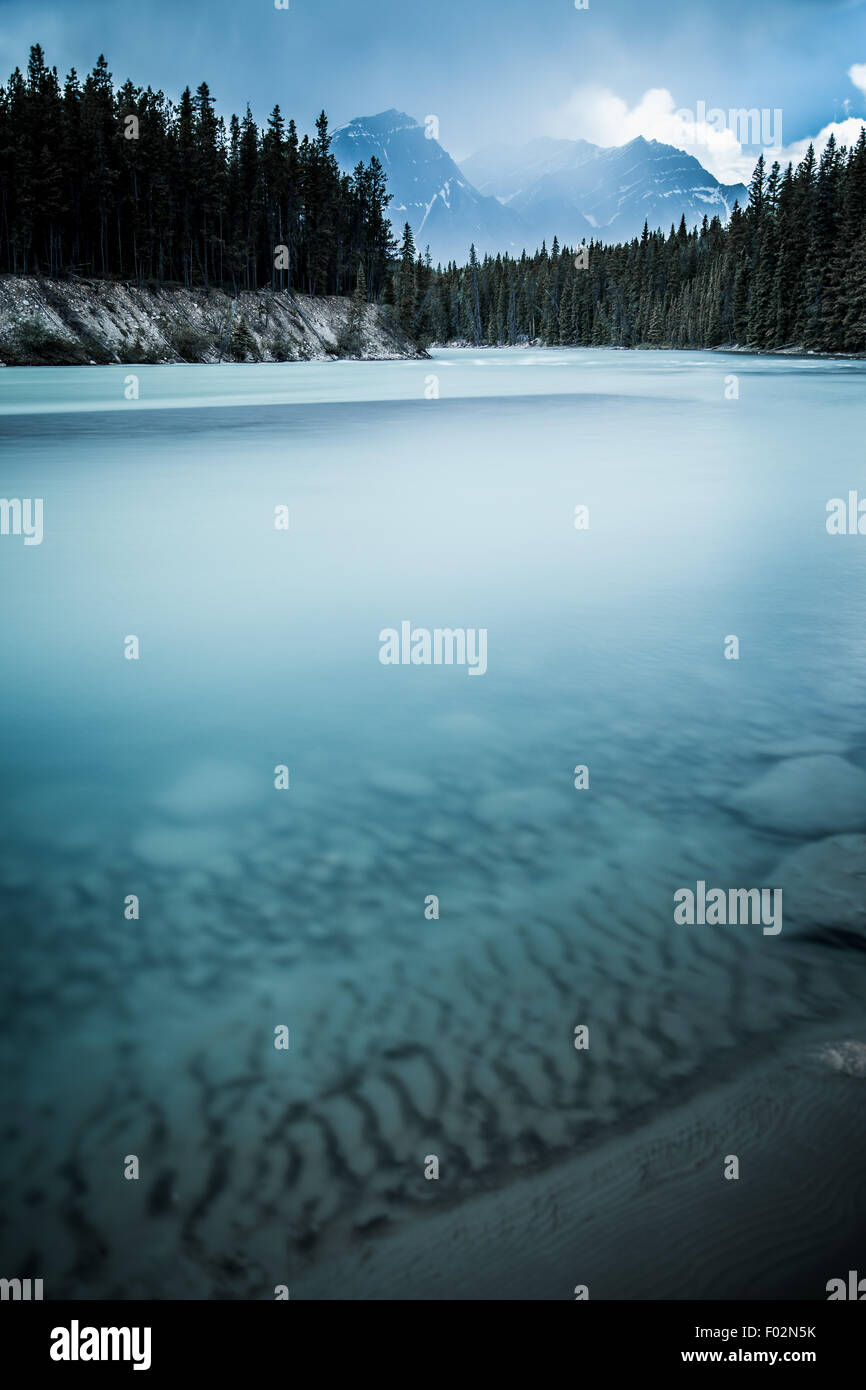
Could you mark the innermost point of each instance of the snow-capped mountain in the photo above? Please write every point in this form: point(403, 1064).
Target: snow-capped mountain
point(511, 199)
point(429, 191)
point(572, 189)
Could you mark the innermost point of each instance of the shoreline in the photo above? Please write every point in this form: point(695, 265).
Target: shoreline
point(80, 321)
point(427, 355)
point(91, 322)
point(746, 351)
point(648, 1214)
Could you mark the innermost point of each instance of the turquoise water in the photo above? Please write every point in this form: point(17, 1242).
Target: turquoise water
point(259, 907)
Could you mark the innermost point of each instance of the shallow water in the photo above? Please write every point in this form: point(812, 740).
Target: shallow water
point(306, 907)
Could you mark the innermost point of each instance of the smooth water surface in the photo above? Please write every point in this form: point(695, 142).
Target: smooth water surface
point(442, 493)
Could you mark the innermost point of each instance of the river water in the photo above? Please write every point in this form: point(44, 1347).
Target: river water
point(140, 778)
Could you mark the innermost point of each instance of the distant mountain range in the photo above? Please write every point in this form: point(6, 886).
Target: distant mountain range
point(511, 199)
point(430, 192)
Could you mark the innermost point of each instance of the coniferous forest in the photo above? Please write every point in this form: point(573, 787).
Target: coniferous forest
point(789, 270)
point(176, 196)
point(127, 184)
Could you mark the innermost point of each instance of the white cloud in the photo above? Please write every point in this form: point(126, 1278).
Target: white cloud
point(846, 133)
point(597, 114)
point(857, 73)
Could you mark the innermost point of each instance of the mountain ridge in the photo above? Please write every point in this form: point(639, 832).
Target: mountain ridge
point(429, 190)
point(511, 198)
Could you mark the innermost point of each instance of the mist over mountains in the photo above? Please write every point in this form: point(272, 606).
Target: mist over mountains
point(512, 198)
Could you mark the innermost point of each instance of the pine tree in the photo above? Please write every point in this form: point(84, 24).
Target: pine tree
point(407, 293)
point(357, 313)
point(472, 288)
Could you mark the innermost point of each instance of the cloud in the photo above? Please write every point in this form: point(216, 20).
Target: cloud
point(599, 115)
point(846, 133)
point(713, 136)
point(857, 73)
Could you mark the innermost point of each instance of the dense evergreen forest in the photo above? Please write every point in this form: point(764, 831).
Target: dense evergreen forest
point(789, 270)
point(127, 184)
point(98, 182)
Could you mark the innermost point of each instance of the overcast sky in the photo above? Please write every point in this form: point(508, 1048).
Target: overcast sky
point(491, 70)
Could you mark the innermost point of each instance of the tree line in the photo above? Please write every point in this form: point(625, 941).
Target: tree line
point(788, 270)
point(125, 183)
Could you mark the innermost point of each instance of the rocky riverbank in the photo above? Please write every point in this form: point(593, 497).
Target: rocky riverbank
point(46, 322)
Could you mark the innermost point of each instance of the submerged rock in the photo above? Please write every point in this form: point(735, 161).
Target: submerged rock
point(825, 883)
point(397, 782)
point(848, 1057)
point(804, 747)
point(181, 847)
point(538, 807)
point(818, 795)
point(213, 787)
